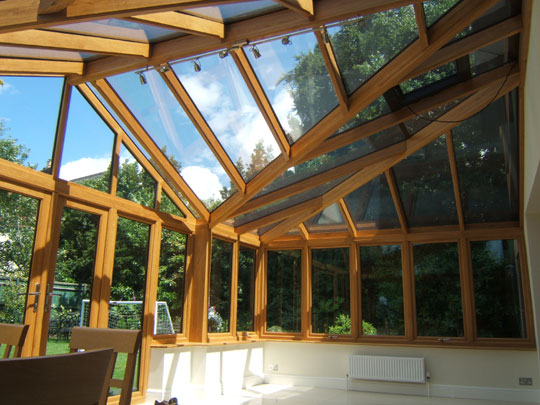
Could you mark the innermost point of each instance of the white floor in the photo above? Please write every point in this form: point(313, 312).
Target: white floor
point(276, 394)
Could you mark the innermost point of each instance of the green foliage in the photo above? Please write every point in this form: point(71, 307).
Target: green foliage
point(342, 326)
point(219, 295)
point(246, 289)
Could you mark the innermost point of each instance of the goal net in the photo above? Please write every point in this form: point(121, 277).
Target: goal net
point(129, 315)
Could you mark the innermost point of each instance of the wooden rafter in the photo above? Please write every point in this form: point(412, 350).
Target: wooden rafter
point(74, 42)
point(455, 179)
point(333, 69)
point(61, 130)
point(18, 11)
point(44, 67)
point(202, 126)
point(184, 22)
point(421, 23)
point(443, 31)
point(467, 108)
point(303, 7)
point(261, 99)
point(398, 204)
point(161, 160)
point(348, 217)
point(303, 231)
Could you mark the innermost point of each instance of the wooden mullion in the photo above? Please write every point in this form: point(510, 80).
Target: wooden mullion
point(467, 290)
point(304, 7)
point(40, 66)
point(202, 126)
point(348, 218)
point(303, 231)
point(409, 300)
point(306, 292)
point(234, 289)
point(330, 61)
point(74, 42)
point(138, 131)
point(108, 266)
point(455, 179)
point(421, 23)
point(423, 137)
point(61, 130)
point(355, 291)
point(398, 204)
point(183, 22)
point(259, 95)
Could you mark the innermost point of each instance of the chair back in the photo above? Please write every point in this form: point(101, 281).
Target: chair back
point(121, 341)
point(63, 379)
point(13, 337)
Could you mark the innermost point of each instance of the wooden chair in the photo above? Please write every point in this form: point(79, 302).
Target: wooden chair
point(121, 341)
point(64, 379)
point(13, 337)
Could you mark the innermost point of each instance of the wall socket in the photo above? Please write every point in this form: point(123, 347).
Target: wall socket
point(272, 367)
point(525, 381)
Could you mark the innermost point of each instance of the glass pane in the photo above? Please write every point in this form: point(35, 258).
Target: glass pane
point(119, 29)
point(29, 112)
point(160, 114)
point(420, 121)
point(365, 45)
point(171, 283)
point(134, 182)
point(129, 274)
point(425, 186)
point(330, 282)
point(88, 146)
point(17, 229)
point(219, 297)
point(372, 207)
point(245, 307)
point(436, 269)
point(284, 291)
point(328, 220)
point(296, 81)
point(430, 77)
point(228, 13)
point(73, 278)
point(493, 56)
point(487, 161)
point(224, 99)
point(375, 110)
point(382, 290)
point(168, 206)
point(498, 297)
point(435, 9)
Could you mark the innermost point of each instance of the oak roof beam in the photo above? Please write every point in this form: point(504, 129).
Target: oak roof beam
point(44, 67)
point(303, 7)
point(421, 23)
point(466, 109)
point(184, 22)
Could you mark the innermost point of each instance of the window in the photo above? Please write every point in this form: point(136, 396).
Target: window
point(498, 295)
point(284, 291)
point(245, 307)
point(171, 283)
point(330, 283)
point(437, 290)
point(219, 297)
point(382, 290)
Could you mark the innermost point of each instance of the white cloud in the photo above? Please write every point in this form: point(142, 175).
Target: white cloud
point(84, 167)
point(203, 181)
point(6, 88)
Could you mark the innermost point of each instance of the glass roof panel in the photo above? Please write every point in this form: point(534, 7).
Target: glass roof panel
point(336, 158)
point(433, 76)
point(29, 108)
point(372, 207)
point(425, 185)
point(501, 11)
point(487, 161)
point(131, 172)
point(224, 99)
point(228, 13)
point(120, 29)
point(376, 109)
point(422, 120)
point(163, 118)
point(378, 38)
point(435, 9)
point(112, 112)
point(88, 146)
point(328, 220)
point(493, 55)
point(295, 80)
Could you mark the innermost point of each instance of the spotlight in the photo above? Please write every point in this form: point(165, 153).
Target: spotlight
point(223, 54)
point(197, 65)
point(142, 77)
point(286, 41)
point(164, 68)
point(256, 52)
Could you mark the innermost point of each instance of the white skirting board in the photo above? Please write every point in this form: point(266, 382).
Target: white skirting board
point(434, 390)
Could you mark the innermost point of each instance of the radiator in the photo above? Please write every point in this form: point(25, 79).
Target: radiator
point(382, 368)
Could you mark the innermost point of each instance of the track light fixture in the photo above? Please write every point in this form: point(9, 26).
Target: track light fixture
point(197, 65)
point(164, 68)
point(286, 41)
point(256, 52)
point(223, 54)
point(142, 77)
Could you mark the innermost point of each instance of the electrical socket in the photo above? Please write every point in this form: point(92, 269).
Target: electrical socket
point(275, 367)
point(270, 367)
point(525, 381)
